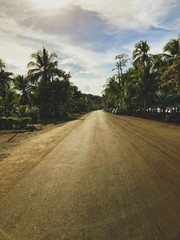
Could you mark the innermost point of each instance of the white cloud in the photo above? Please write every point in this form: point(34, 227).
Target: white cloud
point(18, 43)
point(132, 14)
point(156, 44)
point(88, 66)
point(67, 61)
point(121, 14)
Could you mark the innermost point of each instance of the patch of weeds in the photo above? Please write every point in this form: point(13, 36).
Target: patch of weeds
point(32, 128)
point(12, 131)
point(2, 156)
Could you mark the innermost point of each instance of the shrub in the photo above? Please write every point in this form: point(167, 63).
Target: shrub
point(34, 115)
point(22, 122)
point(2, 122)
point(6, 123)
point(31, 128)
point(11, 122)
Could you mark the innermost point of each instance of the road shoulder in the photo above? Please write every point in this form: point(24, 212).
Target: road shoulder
point(22, 154)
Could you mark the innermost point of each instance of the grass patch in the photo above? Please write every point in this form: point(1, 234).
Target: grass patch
point(69, 117)
point(13, 131)
point(29, 128)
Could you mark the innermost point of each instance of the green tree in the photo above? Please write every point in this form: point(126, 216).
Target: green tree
point(9, 103)
point(111, 97)
point(173, 48)
point(5, 79)
point(140, 54)
point(22, 84)
point(43, 67)
point(148, 83)
point(121, 61)
point(171, 77)
point(2, 64)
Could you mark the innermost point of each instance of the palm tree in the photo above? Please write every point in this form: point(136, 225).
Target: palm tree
point(148, 83)
point(9, 102)
point(140, 54)
point(5, 79)
point(130, 89)
point(2, 64)
point(173, 48)
point(171, 73)
point(111, 93)
point(43, 67)
point(122, 59)
point(22, 84)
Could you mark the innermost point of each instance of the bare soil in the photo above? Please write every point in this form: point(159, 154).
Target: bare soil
point(20, 152)
point(108, 178)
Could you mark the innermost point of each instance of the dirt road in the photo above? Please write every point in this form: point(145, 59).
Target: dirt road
point(111, 178)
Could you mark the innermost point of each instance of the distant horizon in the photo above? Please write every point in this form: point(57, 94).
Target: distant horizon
point(86, 35)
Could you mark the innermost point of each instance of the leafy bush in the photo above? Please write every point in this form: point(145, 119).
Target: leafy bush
point(2, 122)
point(32, 128)
point(34, 115)
point(6, 123)
point(22, 122)
point(11, 122)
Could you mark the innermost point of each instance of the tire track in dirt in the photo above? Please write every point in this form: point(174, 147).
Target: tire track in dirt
point(146, 176)
point(106, 180)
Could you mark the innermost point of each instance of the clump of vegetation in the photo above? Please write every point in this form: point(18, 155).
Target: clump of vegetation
point(14, 123)
point(45, 94)
point(150, 79)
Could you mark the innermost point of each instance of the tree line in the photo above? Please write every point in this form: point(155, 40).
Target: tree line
point(151, 78)
point(46, 92)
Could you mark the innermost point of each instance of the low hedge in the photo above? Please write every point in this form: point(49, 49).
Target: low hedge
point(14, 123)
point(33, 114)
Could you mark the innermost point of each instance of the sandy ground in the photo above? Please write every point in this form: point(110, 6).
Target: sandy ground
point(21, 152)
point(111, 178)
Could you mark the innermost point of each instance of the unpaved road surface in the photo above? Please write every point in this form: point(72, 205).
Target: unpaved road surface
point(25, 150)
point(111, 178)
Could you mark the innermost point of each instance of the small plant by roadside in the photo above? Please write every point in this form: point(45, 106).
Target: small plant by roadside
point(14, 123)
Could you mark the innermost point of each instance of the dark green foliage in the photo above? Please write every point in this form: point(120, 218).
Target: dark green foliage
point(14, 123)
point(151, 79)
point(33, 114)
point(6, 123)
point(46, 94)
point(22, 122)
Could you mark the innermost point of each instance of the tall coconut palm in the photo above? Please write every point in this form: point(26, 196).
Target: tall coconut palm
point(130, 89)
point(5, 81)
point(22, 84)
point(121, 61)
point(148, 83)
point(173, 48)
point(44, 65)
point(111, 92)
point(5, 77)
point(140, 54)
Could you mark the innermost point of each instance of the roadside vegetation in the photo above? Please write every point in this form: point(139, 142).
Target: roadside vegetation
point(141, 89)
point(44, 95)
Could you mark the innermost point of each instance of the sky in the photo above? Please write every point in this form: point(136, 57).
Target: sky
point(85, 34)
